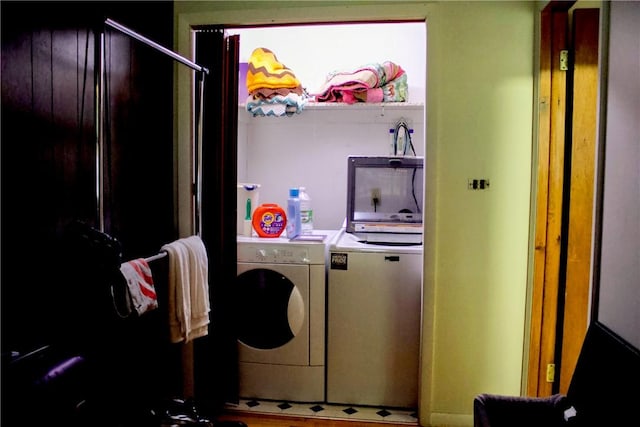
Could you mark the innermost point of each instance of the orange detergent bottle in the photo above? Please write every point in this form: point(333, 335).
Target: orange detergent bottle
point(269, 220)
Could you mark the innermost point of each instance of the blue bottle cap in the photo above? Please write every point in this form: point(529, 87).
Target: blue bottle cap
point(294, 192)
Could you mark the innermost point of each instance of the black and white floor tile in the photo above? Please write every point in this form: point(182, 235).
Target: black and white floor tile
point(327, 411)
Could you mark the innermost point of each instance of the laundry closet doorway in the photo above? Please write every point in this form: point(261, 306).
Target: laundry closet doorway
point(308, 149)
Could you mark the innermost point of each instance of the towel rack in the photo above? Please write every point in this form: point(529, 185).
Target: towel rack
point(100, 120)
point(159, 255)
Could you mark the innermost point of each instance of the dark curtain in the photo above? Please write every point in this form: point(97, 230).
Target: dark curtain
point(215, 356)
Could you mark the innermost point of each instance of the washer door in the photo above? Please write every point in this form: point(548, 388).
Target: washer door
point(273, 303)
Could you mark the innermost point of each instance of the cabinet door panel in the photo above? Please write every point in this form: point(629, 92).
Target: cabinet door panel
point(374, 329)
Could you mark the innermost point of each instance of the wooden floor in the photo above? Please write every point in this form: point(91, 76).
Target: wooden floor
point(265, 420)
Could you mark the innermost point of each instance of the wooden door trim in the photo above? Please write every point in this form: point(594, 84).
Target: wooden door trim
point(548, 221)
point(585, 24)
point(542, 179)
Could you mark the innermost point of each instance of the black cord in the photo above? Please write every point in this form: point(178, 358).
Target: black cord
point(413, 190)
point(413, 150)
point(402, 126)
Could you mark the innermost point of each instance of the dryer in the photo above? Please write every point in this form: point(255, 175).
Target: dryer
point(280, 289)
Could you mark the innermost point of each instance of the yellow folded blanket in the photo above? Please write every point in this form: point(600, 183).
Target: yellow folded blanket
point(265, 71)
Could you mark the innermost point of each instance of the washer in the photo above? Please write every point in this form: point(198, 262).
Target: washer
point(281, 287)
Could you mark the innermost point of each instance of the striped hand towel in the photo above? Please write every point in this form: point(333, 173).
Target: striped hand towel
point(140, 285)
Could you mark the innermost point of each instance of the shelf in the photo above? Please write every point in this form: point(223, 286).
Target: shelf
point(359, 106)
point(339, 112)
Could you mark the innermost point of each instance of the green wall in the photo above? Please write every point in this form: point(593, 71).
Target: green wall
point(480, 92)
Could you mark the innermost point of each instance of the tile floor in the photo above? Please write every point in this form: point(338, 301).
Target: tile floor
point(327, 411)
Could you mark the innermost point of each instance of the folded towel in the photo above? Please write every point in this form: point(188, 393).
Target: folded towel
point(364, 84)
point(397, 90)
point(266, 72)
point(276, 106)
point(394, 91)
point(188, 302)
point(142, 293)
point(199, 289)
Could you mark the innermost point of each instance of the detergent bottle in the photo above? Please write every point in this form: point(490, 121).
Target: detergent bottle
point(293, 214)
point(269, 220)
point(306, 211)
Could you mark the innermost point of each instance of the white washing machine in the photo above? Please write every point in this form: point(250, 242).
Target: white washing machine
point(280, 288)
point(374, 322)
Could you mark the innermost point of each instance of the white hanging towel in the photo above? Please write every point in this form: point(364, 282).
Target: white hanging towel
point(188, 289)
point(142, 292)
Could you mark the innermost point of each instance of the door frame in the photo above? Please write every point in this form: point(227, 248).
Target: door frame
point(563, 236)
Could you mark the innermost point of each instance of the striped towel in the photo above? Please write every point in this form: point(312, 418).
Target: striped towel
point(266, 72)
point(276, 106)
point(142, 292)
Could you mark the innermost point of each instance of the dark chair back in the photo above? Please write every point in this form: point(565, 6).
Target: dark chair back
point(605, 386)
point(604, 391)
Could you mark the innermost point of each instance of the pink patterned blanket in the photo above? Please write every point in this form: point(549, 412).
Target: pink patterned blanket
point(386, 82)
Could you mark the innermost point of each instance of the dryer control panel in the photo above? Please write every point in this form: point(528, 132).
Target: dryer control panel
point(273, 254)
point(282, 250)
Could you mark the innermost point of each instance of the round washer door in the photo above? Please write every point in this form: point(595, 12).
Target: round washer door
point(272, 303)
